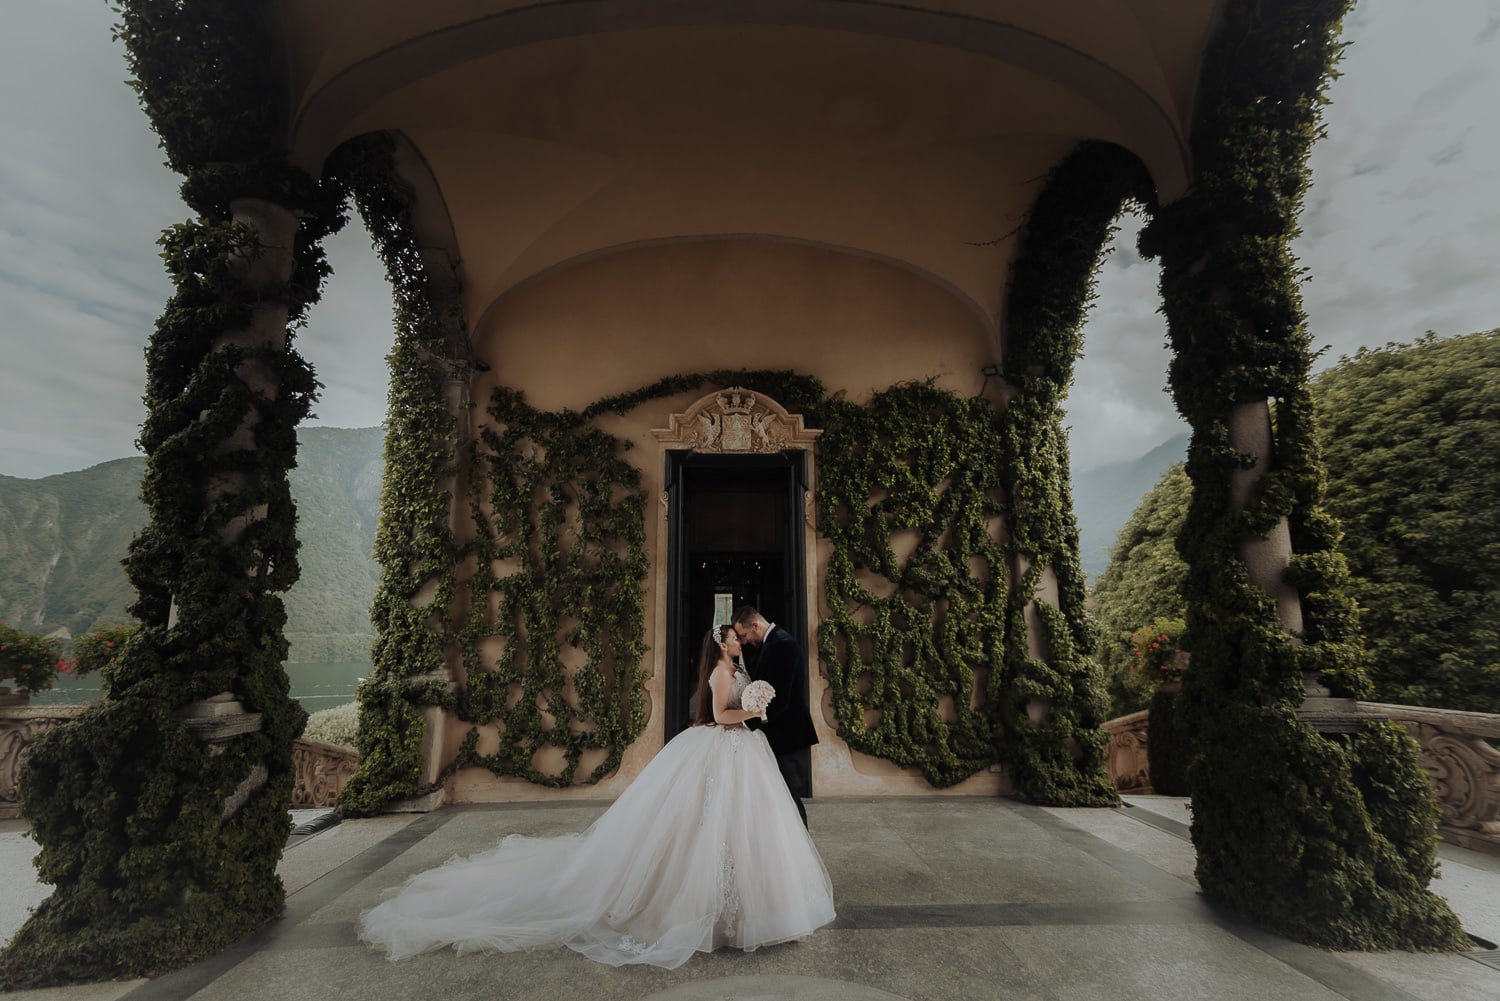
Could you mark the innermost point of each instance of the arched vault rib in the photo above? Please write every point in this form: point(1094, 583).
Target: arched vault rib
point(1157, 139)
point(982, 317)
point(437, 241)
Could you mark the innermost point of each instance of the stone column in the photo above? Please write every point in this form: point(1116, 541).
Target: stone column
point(1266, 557)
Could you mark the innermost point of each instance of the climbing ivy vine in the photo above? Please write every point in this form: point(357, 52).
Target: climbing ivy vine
point(910, 639)
point(930, 657)
point(553, 642)
point(556, 504)
point(1328, 838)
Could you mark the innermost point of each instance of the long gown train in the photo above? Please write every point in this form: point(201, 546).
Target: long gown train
point(704, 849)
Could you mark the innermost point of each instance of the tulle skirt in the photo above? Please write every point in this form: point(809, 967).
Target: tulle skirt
point(704, 849)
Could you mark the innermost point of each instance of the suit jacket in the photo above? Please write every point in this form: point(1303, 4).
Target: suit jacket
point(788, 725)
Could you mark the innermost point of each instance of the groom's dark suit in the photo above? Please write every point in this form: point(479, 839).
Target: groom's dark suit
point(788, 725)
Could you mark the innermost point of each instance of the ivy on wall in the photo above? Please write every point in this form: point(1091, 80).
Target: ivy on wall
point(909, 642)
point(558, 507)
point(560, 568)
point(1326, 838)
point(568, 526)
point(553, 640)
point(558, 557)
point(161, 847)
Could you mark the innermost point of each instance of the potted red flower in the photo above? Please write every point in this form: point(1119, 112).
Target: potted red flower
point(1157, 657)
point(28, 663)
point(1157, 663)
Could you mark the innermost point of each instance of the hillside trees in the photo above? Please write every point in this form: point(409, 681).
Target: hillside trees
point(1142, 582)
point(63, 537)
point(1410, 435)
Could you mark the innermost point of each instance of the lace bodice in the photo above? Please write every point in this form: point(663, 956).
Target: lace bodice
point(741, 680)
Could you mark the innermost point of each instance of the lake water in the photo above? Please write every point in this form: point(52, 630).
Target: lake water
point(316, 686)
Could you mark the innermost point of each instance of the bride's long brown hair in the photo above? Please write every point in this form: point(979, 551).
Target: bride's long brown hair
point(707, 658)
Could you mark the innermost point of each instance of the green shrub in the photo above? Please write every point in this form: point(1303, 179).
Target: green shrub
point(97, 650)
point(339, 725)
point(27, 661)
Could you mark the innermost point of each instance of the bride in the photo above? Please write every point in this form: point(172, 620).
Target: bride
point(704, 849)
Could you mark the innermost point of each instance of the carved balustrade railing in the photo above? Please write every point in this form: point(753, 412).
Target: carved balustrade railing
point(1129, 766)
point(322, 772)
point(1458, 754)
point(322, 769)
point(1464, 766)
point(20, 725)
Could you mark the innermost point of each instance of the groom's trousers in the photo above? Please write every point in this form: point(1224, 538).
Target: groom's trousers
point(795, 772)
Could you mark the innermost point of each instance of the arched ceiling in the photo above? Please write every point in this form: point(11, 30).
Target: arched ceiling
point(915, 133)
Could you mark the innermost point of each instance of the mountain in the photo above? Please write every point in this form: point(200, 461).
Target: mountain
point(61, 542)
point(337, 488)
point(62, 539)
point(1104, 497)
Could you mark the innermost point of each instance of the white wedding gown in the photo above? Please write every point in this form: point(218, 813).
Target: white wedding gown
point(704, 849)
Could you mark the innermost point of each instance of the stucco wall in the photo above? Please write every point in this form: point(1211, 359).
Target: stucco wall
point(622, 321)
point(625, 319)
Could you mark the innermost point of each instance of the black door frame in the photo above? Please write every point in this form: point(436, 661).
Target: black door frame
point(681, 465)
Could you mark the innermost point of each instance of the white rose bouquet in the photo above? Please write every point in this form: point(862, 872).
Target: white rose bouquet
point(756, 696)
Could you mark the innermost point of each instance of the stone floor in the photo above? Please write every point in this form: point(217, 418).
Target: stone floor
point(937, 898)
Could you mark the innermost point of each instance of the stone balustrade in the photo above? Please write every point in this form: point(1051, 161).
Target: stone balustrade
point(1129, 767)
point(20, 725)
point(1457, 754)
point(322, 769)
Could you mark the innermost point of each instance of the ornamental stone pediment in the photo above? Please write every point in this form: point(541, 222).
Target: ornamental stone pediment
point(736, 420)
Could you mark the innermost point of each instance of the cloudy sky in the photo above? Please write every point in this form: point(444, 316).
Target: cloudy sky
point(1400, 232)
point(1401, 235)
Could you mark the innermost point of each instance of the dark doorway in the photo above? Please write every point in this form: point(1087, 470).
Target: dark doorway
point(735, 537)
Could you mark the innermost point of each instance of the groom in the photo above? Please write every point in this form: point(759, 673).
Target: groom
point(788, 726)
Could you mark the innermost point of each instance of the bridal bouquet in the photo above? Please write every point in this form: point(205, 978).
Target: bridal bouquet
point(756, 696)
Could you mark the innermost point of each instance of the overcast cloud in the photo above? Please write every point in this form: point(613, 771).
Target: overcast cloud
point(83, 198)
point(1401, 233)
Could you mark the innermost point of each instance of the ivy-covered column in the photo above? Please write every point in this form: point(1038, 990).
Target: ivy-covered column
point(417, 613)
point(1327, 837)
point(162, 811)
point(1051, 694)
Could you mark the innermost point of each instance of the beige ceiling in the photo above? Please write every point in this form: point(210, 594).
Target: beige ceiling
point(914, 133)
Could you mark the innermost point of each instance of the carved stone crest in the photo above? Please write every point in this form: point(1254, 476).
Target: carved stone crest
point(736, 420)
